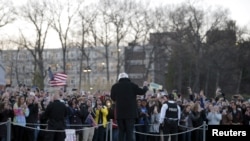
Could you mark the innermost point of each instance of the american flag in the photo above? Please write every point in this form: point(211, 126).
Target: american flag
point(57, 79)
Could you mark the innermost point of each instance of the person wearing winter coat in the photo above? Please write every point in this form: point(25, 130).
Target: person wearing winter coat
point(124, 94)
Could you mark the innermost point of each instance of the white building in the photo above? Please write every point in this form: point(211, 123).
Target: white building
point(20, 67)
point(2, 75)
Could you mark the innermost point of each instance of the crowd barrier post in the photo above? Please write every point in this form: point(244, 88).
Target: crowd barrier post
point(107, 132)
point(9, 130)
point(204, 130)
point(110, 133)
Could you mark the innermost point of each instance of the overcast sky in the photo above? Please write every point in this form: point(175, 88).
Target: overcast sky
point(239, 9)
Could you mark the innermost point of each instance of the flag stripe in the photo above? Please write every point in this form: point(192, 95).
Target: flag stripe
point(59, 79)
point(60, 75)
point(56, 83)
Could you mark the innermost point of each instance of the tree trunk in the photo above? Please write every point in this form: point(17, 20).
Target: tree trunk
point(207, 82)
point(239, 81)
point(217, 79)
point(179, 75)
point(80, 72)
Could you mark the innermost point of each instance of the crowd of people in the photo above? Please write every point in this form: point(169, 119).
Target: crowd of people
point(38, 115)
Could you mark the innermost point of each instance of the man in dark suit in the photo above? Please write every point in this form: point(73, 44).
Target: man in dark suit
point(56, 113)
point(124, 94)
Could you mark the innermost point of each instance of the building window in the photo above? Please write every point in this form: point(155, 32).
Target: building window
point(72, 81)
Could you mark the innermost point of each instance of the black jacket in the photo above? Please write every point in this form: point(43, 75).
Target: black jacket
point(33, 115)
point(124, 94)
point(4, 116)
point(56, 113)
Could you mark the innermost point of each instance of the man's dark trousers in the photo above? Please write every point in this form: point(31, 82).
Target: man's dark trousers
point(126, 129)
point(170, 127)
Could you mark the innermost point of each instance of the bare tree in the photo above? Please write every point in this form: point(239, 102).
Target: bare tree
point(145, 21)
point(101, 32)
point(243, 66)
point(35, 14)
point(139, 28)
point(63, 14)
point(6, 17)
point(119, 17)
point(10, 61)
point(243, 53)
point(190, 24)
point(87, 19)
point(6, 12)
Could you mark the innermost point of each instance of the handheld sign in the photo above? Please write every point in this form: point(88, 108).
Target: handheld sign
point(155, 86)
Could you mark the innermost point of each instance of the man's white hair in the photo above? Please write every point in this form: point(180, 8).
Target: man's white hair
point(122, 75)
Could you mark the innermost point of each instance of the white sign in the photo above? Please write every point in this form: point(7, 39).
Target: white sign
point(70, 135)
point(155, 86)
